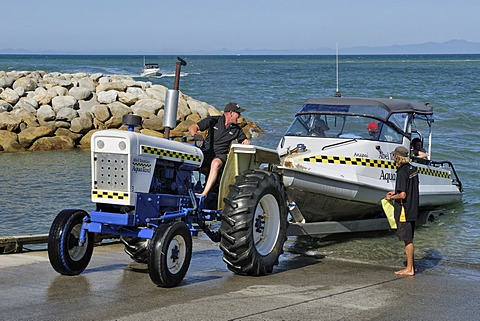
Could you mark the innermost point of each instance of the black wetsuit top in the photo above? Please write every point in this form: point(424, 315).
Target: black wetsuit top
point(221, 136)
point(407, 181)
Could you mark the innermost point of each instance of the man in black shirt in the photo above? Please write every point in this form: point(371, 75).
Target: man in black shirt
point(406, 199)
point(222, 130)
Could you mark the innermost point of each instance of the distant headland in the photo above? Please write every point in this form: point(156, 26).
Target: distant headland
point(455, 46)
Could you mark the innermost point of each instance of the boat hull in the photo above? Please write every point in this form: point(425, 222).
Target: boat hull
point(324, 197)
point(150, 73)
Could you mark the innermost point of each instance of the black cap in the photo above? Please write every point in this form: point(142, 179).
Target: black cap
point(233, 107)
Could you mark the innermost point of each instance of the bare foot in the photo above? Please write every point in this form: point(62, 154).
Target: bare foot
point(405, 272)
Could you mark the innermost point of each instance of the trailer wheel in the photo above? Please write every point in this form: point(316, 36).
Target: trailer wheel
point(254, 223)
point(65, 253)
point(170, 253)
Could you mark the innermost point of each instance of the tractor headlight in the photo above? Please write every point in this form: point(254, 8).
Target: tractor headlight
point(122, 145)
point(100, 144)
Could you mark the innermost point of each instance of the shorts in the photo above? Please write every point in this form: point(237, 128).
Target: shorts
point(405, 231)
point(208, 157)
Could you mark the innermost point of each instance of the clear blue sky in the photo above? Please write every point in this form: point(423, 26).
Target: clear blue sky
point(184, 26)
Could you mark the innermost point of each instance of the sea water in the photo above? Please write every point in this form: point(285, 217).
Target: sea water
point(35, 186)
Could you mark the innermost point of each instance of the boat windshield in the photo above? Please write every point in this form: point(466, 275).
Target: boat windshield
point(343, 126)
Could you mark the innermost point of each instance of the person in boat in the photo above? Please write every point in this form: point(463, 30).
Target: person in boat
point(222, 131)
point(319, 128)
point(406, 201)
point(373, 131)
point(418, 150)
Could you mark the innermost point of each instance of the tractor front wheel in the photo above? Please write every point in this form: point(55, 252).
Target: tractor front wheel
point(170, 253)
point(67, 256)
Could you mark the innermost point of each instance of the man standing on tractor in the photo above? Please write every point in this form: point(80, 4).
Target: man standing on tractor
point(222, 130)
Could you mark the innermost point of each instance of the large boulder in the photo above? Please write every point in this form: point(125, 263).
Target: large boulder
point(101, 113)
point(10, 96)
point(27, 136)
point(60, 102)
point(137, 92)
point(87, 105)
point(57, 91)
point(81, 124)
point(4, 106)
point(117, 109)
point(127, 98)
point(107, 97)
point(29, 104)
point(183, 111)
point(66, 114)
point(53, 143)
point(45, 113)
point(27, 118)
point(80, 93)
point(157, 92)
point(85, 142)
point(198, 107)
point(150, 105)
point(9, 121)
point(87, 83)
point(26, 83)
point(43, 99)
point(153, 123)
point(65, 132)
point(6, 82)
point(111, 85)
point(9, 142)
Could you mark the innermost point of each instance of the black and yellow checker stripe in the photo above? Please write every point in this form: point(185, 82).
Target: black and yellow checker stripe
point(371, 163)
point(351, 161)
point(170, 153)
point(434, 172)
point(110, 195)
point(142, 164)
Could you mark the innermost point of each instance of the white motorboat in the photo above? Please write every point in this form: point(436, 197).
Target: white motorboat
point(343, 171)
point(150, 69)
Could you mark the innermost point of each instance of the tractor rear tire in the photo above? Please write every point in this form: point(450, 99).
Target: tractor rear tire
point(254, 223)
point(65, 253)
point(170, 253)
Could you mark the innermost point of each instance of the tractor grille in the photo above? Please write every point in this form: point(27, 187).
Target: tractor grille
point(111, 172)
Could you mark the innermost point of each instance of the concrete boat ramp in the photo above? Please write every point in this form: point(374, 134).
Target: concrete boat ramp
point(301, 288)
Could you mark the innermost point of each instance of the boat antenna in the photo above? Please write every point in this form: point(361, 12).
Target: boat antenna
point(337, 92)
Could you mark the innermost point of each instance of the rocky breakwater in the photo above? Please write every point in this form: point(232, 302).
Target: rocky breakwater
point(59, 111)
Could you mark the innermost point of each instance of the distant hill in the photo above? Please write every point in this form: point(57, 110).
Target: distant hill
point(449, 47)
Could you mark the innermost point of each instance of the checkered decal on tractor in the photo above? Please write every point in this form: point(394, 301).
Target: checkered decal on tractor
point(110, 195)
point(371, 163)
point(170, 153)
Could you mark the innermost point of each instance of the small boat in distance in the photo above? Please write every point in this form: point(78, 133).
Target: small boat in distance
point(150, 69)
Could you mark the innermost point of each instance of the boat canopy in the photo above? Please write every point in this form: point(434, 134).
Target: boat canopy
point(151, 66)
point(338, 117)
point(380, 108)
